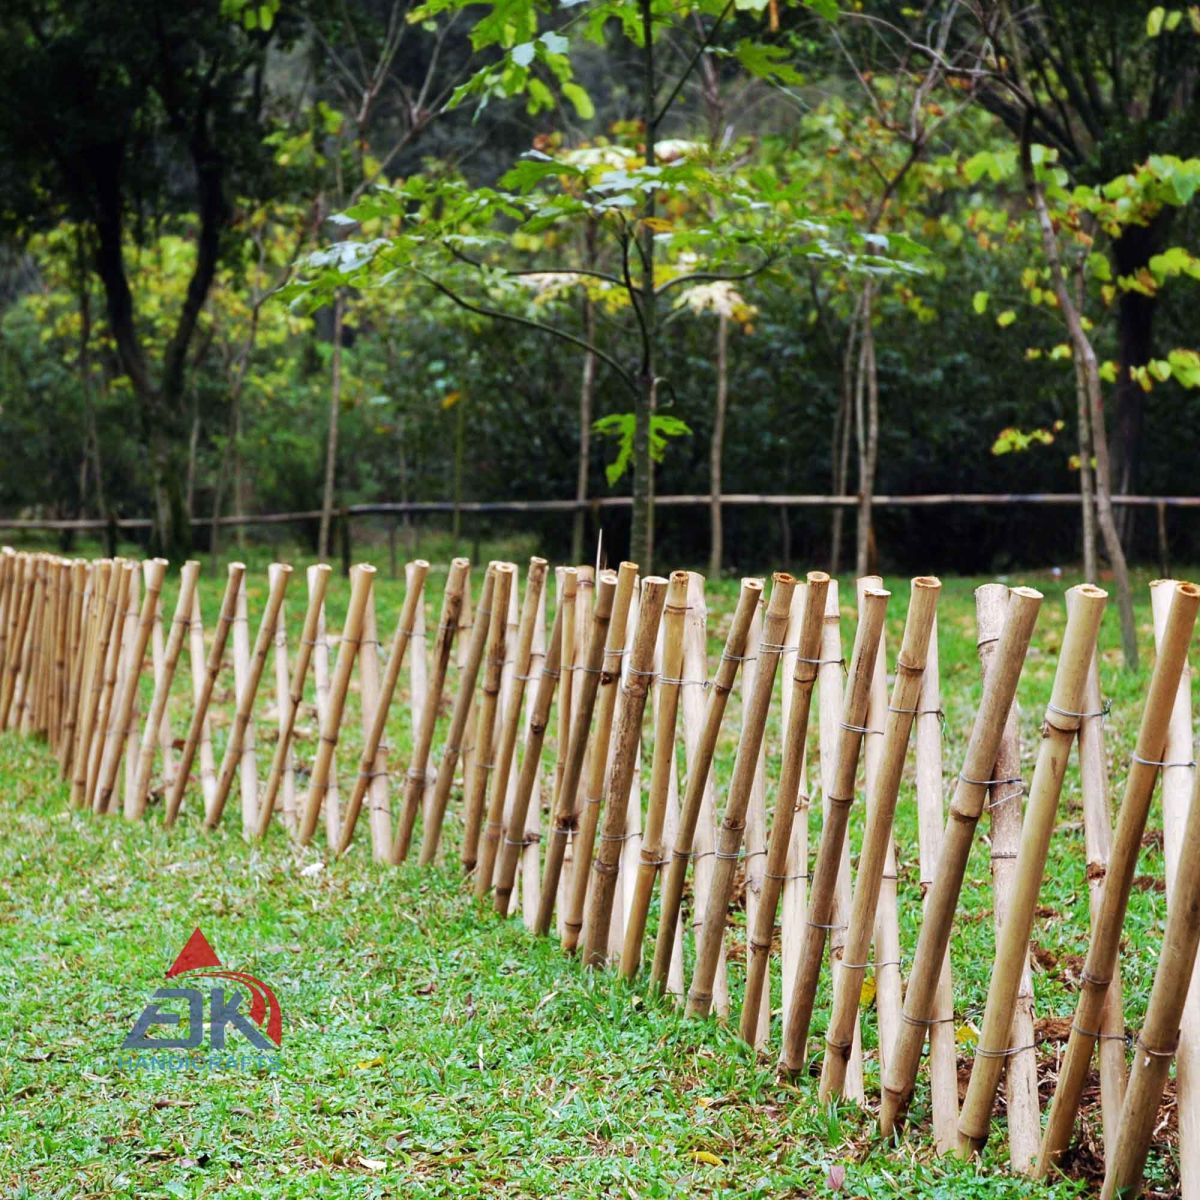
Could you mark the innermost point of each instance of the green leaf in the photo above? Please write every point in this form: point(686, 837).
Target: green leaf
point(580, 99)
point(979, 302)
point(1154, 20)
point(1006, 318)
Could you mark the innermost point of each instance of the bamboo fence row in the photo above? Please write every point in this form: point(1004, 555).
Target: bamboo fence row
point(538, 770)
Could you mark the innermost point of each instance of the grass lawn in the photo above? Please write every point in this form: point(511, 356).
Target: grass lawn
point(430, 1049)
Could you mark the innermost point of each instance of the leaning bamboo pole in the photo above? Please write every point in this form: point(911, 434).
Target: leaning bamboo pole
point(162, 688)
point(733, 825)
point(8, 567)
point(361, 579)
point(236, 572)
point(81, 574)
point(965, 809)
point(251, 678)
point(197, 659)
point(472, 654)
point(877, 838)
point(760, 934)
point(1005, 812)
point(102, 733)
point(125, 702)
point(19, 632)
point(106, 603)
point(510, 853)
point(697, 780)
point(317, 578)
point(943, 1050)
point(370, 760)
point(283, 677)
point(418, 664)
point(650, 857)
point(246, 765)
point(639, 674)
point(416, 779)
point(566, 810)
point(1157, 1042)
point(487, 705)
point(376, 792)
point(830, 850)
point(494, 827)
point(606, 701)
point(1131, 822)
point(1085, 607)
point(530, 871)
point(1178, 778)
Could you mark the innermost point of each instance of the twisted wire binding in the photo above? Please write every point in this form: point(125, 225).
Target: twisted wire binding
point(1018, 791)
point(856, 728)
point(925, 1022)
point(727, 657)
point(785, 878)
point(1156, 1053)
point(641, 674)
point(1149, 762)
point(778, 647)
point(981, 1052)
point(1066, 712)
point(819, 925)
point(619, 837)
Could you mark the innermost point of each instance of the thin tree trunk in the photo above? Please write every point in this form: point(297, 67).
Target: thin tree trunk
point(868, 437)
point(587, 392)
point(717, 448)
point(843, 425)
point(331, 440)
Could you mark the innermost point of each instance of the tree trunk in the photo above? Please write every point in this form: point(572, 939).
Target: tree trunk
point(193, 451)
point(587, 389)
point(868, 438)
point(331, 440)
point(843, 427)
point(1087, 482)
point(717, 448)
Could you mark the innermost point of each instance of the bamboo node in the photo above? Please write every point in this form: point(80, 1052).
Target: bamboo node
point(1087, 977)
point(603, 868)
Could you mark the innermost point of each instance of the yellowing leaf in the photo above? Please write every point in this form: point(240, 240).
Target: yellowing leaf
point(866, 997)
point(708, 1157)
point(966, 1034)
point(372, 1164)
point(450, 399)
point(368, 1063)
point(657, 224)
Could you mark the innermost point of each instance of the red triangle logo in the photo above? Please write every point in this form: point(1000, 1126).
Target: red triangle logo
point(197, 953)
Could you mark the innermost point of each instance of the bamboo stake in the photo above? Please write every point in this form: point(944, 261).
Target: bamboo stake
point(652, 848)
point(245, 764)
point(166, 746)
point(639, 674)
point(534, 739)
point(455, 735)
point(418, 664)
point(699, 767)
point(475, 790)
point(417, 777)
point(943, 1051)
point(589, 815)
point(833, 833)
point(331, 804)
point(287, 803)
point(62, 605)
point(124, 710)
point(1177, 784)
point(81, 572)
point(629, 827)
point(251, 678)
point(712, 933)
point(113, 742)
point(318, 584)
point(881, 811)
point(886, 960)
point(197, 659)
point(761, 932)
point(26, 677)
point(1097, 834)
point(162, 689)
point(1157, 1041)
point(103, 599)
point(535, 581)
point(1131, 822)
point(1085, 607)
point(102, 732)
point(372, 760)
point(10, 703)
point(965, 809)
point(531, 826)
point(572, 619)
point(378, 814)
point(566, 807)
point(236, 572)
point(1004, 811)
point(8, 569)
point(361, 580)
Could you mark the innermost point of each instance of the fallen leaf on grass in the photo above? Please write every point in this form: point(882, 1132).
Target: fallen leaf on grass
point(368, 1063)
point(708, 1157)
point(372, 1164)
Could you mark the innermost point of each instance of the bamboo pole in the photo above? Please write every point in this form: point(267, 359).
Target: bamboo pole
point(535, 582)
point(886, 959)
point(943, 1050)
point(589, 815)
point(1097, 835)
point(1131, 822)
point(833, 832)
point(760, 934)
point(318, 584)
point(22, 686)
point(531, 826)
point(372, 761)
point(455, 735)
point(236, 572)
point(965, 809)
point(1156, 1044)
point(197, 659)
point(251, 678)
point(124, 711)
point(873, 860)
point(639, 674)
point(699, 767)
point(62, 604)
point(9, 563)
point(361, 579)
point(475, 789)
point(712, 933)
point(1177, 783)
point(418, 661)
point(376, 792)
point(76, 637)
point(652, 848)
point(629, 826)
point(331, 804)
point(21, 606)
point(287, 786)
point(103, 598)
point(566, 809)
point(585, 592)
point(245, 765)
point(162, 689)
point(572, 619)
point(1085, 607)
point(534, 739)
point(417, 778)
point(102, 732)
point(1004, 811)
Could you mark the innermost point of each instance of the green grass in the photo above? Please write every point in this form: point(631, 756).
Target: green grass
point(433, 1050)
